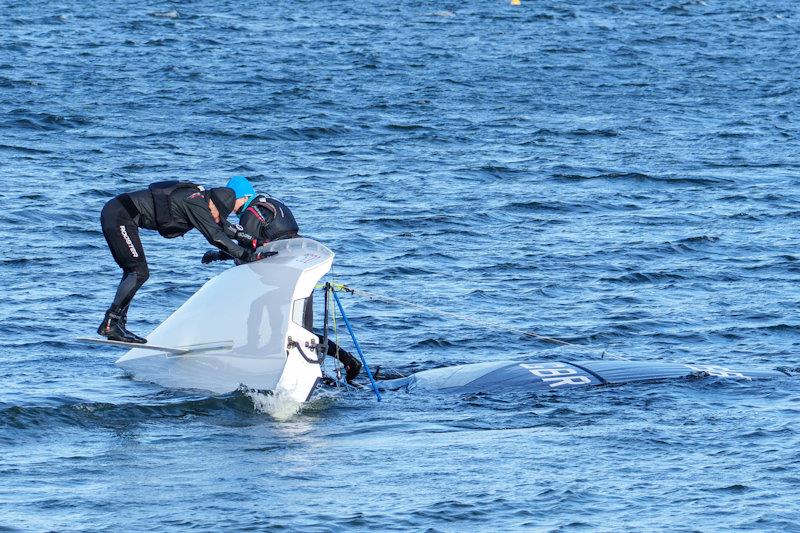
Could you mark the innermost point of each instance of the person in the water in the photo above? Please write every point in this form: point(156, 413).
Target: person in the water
point(172, 208)
point(263, 219)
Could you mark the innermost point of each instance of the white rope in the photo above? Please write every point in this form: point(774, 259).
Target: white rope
point(486, 324)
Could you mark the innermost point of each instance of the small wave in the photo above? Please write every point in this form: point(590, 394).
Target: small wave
point(24, 149)
point(136, 166)
point(746, 216)
point(433, 343)
point(407, 127)
point(775, 92)
point(637, 176)
point(18, 261)
point(160, 41)
point(49, 343)
point(737, 488)
point(287, 134)
point(408, 222)
point(494, 171)
point(539, 206)
point(564, 50)
point(317, 132)
point(690, 244)
point(403, 271)
point(76, 413)
point(676, 9)
point(700, 238)
point(645, 277)
point(8, 83)
point(45, 121)
point(781, 328)
point(173, 14)
point(734, 134)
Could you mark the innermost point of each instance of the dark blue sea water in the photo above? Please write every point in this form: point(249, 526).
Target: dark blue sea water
point(620, 174)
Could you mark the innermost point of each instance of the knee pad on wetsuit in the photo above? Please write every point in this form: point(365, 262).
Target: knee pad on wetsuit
point(142, 272)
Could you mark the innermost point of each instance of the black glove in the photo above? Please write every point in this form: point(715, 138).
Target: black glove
point(215, 255)
point(258, 256)
point(211, 255)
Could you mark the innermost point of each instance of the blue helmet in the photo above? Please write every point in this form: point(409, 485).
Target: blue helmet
point(242, 187)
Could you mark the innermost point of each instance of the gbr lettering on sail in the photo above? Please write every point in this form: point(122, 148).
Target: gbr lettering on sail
point(556, 374)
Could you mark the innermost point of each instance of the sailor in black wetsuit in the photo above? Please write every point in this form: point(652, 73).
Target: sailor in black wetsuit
point(172, 208)
point(263, 219)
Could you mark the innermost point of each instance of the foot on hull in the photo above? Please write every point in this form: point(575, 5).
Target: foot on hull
point(113, 328)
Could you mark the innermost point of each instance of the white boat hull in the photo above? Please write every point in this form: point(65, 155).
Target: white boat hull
point(250, 311)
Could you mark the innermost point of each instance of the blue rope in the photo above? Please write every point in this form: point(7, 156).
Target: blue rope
point(358, 347)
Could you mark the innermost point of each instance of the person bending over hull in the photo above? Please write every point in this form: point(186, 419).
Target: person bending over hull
point(263, 219)
point(172, 208)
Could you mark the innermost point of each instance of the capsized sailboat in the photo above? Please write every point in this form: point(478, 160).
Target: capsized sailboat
point(249, 325)
point(557, 375)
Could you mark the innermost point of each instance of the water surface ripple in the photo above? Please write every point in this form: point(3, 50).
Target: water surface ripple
point(621, 174)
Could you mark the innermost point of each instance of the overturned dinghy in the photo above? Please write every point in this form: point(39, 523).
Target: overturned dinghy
point(506, 375)
point(249, 325)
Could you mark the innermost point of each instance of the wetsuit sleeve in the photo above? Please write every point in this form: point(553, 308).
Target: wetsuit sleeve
point(238, 234)
point(199, 216)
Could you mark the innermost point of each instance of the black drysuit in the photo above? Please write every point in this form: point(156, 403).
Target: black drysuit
point(122, 217)
point(264, 220)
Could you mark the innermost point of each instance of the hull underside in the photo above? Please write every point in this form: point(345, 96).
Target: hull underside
point(214, 373)
point(244, 326)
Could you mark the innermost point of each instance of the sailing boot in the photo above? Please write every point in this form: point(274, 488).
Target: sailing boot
point(112, 329)
point(132, 337)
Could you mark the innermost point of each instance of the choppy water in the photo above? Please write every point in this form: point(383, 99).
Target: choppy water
point(621, 174)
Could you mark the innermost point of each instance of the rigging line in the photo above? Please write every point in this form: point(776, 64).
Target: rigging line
point(475, 322)
point(358, 346)
point(338, 364)
point(328, 298)
point(433, 310)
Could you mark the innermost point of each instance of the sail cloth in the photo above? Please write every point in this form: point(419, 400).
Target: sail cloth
point(251, 311)
point(557, 375)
